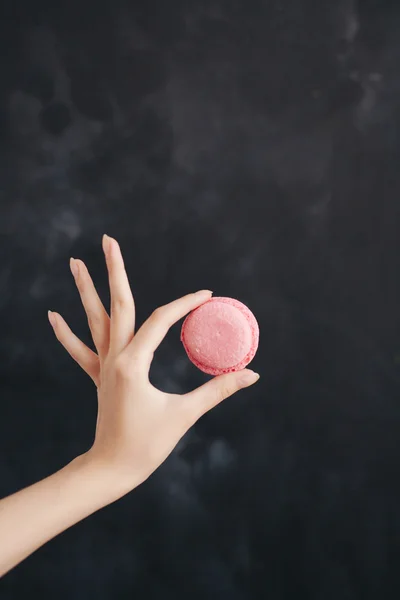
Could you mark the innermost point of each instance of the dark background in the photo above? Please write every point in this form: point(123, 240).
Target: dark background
point(252, 148)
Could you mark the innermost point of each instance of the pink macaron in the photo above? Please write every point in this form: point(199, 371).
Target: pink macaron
point(220, 336)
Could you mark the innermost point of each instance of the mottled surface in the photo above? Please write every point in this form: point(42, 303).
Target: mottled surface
point(251, 148)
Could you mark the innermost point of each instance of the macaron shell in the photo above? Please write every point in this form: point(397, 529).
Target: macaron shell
point(220, 336)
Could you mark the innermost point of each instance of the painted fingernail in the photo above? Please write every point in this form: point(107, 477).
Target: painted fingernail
point(52, 318)
point(248, 377)
point(204, 293)
point(74, 267)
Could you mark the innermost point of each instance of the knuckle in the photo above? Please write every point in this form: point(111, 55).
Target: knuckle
point(159, 311)
point(119, 304)
point(94, 319)
point(127, 367)
point(223, 391)
point(158, 314)
point(121, 366)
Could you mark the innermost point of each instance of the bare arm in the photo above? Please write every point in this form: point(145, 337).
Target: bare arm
point(36, 514)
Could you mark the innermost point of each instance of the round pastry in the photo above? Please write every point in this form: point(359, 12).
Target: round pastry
point(220, 336)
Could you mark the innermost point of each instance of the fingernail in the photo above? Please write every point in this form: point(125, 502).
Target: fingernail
point(248, 377)
point(74, 267)
point(204, 293)
point(52, 318)
point(106, 244)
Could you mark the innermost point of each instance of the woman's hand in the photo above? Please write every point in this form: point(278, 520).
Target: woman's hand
point(137, 425)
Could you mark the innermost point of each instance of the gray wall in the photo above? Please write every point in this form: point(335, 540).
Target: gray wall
point(246, 147)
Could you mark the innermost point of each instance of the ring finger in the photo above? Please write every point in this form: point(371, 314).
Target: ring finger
point(84, 356)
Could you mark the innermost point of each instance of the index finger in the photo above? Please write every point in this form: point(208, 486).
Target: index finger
point(154, 330)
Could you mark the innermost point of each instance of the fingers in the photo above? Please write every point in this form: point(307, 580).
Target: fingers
point(122, 324)
point(153, 331)
point(98, 319)
point(84, 356)
point(205, 397)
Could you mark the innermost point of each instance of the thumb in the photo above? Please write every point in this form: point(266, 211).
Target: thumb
point(205, 397)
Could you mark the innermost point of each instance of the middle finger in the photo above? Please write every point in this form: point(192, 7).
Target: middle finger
point(122, 325)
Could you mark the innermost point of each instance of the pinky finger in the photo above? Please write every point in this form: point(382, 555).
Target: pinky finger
point(84, 356)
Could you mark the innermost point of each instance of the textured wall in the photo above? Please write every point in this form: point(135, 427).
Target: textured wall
point(248, 147)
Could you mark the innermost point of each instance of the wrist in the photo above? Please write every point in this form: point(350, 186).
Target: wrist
point(106, 481)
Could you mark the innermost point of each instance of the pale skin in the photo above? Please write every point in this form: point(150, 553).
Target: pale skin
point(137, 426)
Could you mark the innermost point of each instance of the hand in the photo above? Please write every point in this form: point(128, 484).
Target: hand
point(137, 425)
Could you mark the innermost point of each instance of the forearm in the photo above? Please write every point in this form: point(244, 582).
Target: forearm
point(31, 517)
